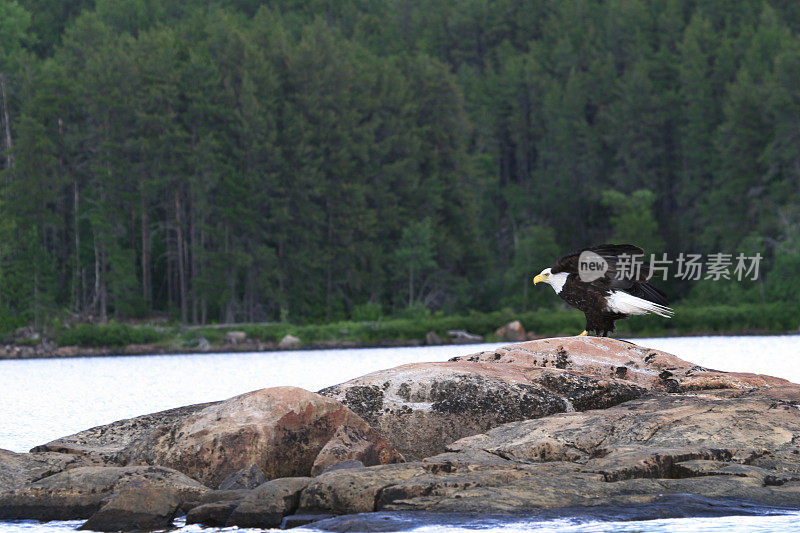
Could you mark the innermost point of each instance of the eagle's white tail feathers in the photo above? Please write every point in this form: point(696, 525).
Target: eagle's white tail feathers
point(622, 302)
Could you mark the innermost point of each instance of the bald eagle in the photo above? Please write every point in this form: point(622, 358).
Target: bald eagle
point(602, 282)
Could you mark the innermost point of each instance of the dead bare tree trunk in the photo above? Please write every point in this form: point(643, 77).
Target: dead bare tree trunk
point(35, 299)
point(7, 123)
point(283, 306)
point(329, 265)
point(203, 299)
point(169, 255)
point(181, 258)
point(192, 251)
point(229, 314)
point(78, 289)
point(96, 295)
point(147, 291)
point(103, 287)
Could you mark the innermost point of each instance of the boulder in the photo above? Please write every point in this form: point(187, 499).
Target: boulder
point(202, 344)
point(432, 339)
point(215, 496)
point(266, 506)
point(350, 445)
point(293, 426)
point(280, 430)
point(142, 508)
point(511, 332)
point(249, 477)
point(354, 490)
point(105, 443)
point(17, 469)
point(289, 342)
point(212, 514)
point(422, 407)
point(235, 337)
point(80, 492)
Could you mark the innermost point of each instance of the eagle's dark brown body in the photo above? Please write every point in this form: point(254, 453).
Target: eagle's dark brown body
point(592, 302)
point(616, 294)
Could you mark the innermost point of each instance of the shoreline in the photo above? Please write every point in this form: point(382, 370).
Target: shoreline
point(438, 443)
point(46, 350)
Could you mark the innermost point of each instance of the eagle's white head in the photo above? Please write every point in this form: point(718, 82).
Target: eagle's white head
point(556, 281)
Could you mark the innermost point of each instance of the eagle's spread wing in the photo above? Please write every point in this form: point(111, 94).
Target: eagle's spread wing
point(618, 277)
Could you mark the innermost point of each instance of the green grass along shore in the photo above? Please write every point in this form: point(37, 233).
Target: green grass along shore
point(768, 318)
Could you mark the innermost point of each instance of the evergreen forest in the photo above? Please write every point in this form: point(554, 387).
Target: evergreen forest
point(311, 161)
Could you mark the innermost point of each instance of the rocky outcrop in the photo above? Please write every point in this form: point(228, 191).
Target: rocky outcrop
point(282, 430)
point(423, 407)
point(605, 358)
point(554, 423)
point(647, 436)
point(658, 508)
point(662, 426)
point(725, 444)
point(80, 492)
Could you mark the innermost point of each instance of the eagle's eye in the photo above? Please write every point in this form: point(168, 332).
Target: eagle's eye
point(547, 275)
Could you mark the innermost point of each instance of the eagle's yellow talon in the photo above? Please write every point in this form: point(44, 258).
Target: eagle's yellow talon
point(583, 334)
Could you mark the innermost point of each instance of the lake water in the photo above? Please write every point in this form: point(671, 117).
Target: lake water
point(42, 399)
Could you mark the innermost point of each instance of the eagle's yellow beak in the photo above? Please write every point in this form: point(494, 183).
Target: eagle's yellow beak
point(537, 279)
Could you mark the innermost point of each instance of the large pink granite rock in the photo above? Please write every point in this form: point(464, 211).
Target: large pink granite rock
point(281, 429)
point(606, 358)
point(423, 407)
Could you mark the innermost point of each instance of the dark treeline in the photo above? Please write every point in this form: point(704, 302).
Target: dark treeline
point(317, 160)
